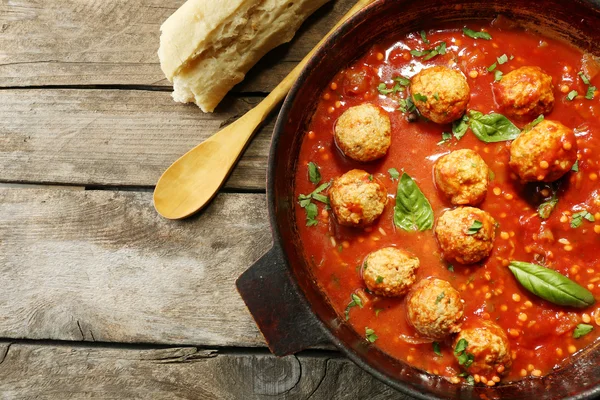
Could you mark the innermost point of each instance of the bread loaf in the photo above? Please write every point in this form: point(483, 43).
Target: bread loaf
point(208, 46)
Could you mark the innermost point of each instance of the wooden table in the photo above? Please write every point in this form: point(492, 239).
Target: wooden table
point(100, 296)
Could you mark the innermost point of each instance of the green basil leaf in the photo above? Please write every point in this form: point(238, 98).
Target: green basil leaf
point(550, 285)
point(572, 94)
point(473, 229)
point(436, 349)
point(394, 174)
point(578, 217)
point(412, 211)
point(461, 346)
point(476, 35)
point(493, 127)
point(459, 127)
point(582, 330)
point(313, 173)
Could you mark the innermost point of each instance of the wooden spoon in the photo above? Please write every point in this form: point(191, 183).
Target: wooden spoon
point(194, 179)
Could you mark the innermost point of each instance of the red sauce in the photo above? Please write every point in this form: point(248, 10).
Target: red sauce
point(540, 334)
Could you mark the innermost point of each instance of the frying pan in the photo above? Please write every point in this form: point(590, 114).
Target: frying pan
point(279, 290)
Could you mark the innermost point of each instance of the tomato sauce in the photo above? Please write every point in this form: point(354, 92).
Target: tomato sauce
point(540, 334)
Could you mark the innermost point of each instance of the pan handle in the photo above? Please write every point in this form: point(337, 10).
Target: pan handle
point(277, 305)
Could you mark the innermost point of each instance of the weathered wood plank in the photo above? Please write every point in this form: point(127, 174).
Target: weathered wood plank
point(103, 266)
point(113, 137)
point(80, 42)
point(75, 372)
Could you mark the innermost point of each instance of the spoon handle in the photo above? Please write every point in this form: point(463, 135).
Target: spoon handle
point(194, 179)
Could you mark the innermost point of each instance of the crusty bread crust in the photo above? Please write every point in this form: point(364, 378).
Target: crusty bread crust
point(208, 46)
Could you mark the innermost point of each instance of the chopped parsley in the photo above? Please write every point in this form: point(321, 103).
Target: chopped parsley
point(440, 297)
point(446, 137)
point(424, 37)
point(492, 67)
point(436, 348)
point(584, 78)
point(575, 167)
point(407, 105)
point(533, 123)
point(371, 177)
point(370, 334)
point(379, 279)
point(450, 267)
point(305, 201)
point(577, 218)
point(498, 75)
point(313, 173)
point(502, 59)
point(377, 311)
point(394, 174)
point(436, 96)
point(382, 88)
point(582, 330)
point(440, 49)
point(460, 351)
point(545, 209)
point(572, 94)
point(400, 82)
point(459, 127)
point(419, 97)
point(473, 229)
point(356, 301)
point(476, 35)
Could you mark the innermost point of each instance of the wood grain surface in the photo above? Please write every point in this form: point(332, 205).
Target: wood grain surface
point(113, 137)
point(114, 42)
point(103, 266)
point(55, 371)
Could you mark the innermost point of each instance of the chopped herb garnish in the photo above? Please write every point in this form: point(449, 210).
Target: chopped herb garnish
point(492, 67)
point(311, 214)
point(394, 174)
point(572, 94)
point(590, 92)
point(371, 177)
point(440, 297)
point(446, 137)
point(377, 311)
point(460, 351)
point(477, 225)
point(379, 279)
point(402, 80)
point(546, 208)
point(575, 167)
point(313, 173)
point(498, 75)
point(370, 334)
point(502, 59)
point(436, 348)
point(477, 35)
point(459, 127)
point(461, 346)
point(470, 380)
point(419, 97)
point(450, 267)
point(436, 96)
point(429, 54)
point(584, 78)
point(382, 88)
point(582, 330)
point(356, 301)
point(424, 37)
point(407, 105)
point(492, 127)
point(577, 218)
point(305, 201)
point(533, 123)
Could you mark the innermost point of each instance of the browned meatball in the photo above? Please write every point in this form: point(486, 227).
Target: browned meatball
point(440, 94)
point(488, 347)
point(363, 133)
point(545, 153)
point(463, 177)
point(434, 308)
point(466, 234)
point(357, 199)
point(525, 92)
point(390, 271)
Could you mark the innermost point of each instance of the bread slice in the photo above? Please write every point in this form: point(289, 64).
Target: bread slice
point(208, 46)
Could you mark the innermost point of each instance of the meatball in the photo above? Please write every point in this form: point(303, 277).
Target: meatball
point(489, 347)
point(466, 234)
point(462, 176)
point(363, 133)
point(440, 94)
point(434, 308)
point(390, 271)
point(525, 92)
point(545, 153)
point(356, 198)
